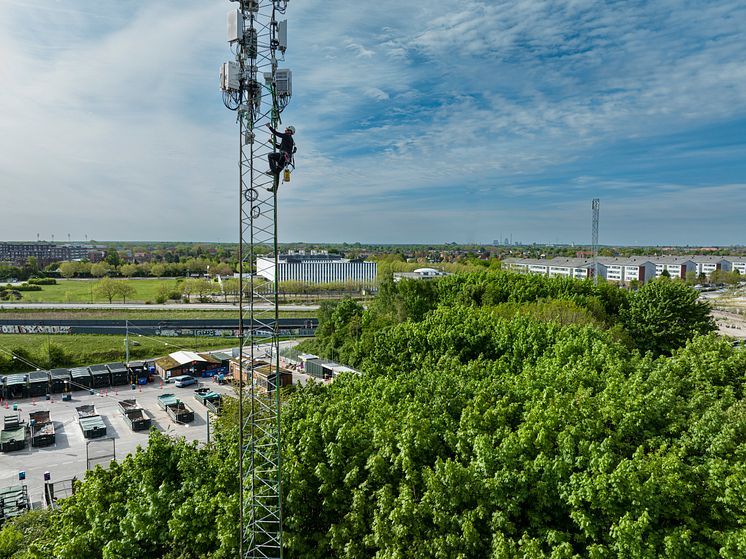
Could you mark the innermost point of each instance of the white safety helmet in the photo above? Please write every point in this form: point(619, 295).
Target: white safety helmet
point(291, 129)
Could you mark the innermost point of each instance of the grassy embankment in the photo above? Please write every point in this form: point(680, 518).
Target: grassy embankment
point(88, 349)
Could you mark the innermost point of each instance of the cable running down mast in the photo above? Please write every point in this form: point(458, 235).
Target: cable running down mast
point(257, 90)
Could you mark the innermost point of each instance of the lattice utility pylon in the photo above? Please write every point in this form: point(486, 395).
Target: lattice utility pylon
point(258, 91)
point(595, 206)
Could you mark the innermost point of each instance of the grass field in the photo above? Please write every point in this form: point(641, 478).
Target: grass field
point(85, 349)
point(125, 314)
point(83, 291)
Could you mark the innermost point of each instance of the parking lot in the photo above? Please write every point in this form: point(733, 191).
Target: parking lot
point(68, 456)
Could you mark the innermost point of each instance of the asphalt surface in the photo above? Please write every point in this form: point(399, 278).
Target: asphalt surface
point(69, 455)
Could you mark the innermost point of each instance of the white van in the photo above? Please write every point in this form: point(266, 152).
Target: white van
point(183, 380)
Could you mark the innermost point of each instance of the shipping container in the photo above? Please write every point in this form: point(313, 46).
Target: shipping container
point(91, 423)
point(15, 387)
point(80, 378)
point(119, 374)
point(100, 376)
point(59, 381)
point(38, 383)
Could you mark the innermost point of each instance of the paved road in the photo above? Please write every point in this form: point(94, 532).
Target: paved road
point(143, 307)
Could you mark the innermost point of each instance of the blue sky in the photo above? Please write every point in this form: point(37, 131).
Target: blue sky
point(419, 122)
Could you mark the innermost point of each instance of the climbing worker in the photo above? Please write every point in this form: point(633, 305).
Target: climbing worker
point(279, 159)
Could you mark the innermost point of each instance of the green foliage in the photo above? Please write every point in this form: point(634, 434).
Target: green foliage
point(497, 417)
point(168, 500)
point(18, 533)
point(42, 281)
point(24, 287)
point(472, 436)
point(664, 314)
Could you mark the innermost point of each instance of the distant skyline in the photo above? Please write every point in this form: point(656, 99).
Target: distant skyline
point(425, 122)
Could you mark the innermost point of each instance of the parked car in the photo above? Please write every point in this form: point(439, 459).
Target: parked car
point(184, 380)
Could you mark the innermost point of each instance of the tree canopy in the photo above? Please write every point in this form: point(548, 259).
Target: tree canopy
point(477, 430)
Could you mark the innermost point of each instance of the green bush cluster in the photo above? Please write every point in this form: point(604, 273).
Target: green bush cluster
point(495, 418)
point(42, 281)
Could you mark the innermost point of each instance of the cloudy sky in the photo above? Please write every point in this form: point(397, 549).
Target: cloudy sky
point(424, 121)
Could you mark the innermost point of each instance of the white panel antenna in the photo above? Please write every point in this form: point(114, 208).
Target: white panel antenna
point(282, 35)
point(235, 26)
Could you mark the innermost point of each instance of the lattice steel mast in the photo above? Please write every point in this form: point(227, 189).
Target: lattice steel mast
point(258, 91)
point(595, 206)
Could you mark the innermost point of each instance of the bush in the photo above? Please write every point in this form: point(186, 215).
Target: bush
point(24, 287)
point(42, 281)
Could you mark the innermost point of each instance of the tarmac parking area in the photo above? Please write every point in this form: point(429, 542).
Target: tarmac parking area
point(69, 455)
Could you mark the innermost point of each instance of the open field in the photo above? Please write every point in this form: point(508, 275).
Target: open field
point(83, 291)
point(87, 349)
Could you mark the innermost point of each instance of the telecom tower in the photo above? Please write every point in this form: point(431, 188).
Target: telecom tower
point(595, 206)
point(258, 91)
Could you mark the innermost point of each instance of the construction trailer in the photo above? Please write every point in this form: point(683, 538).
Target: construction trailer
point(100, 377)
point(118, 373)
point(136, 417)
point(14, 501)
point(91, 423)
point(59, 381)
point(15, 386)
point(38, 383)
point(80, 378)
point(42, 428)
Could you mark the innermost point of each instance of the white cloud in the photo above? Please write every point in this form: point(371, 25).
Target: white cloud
point(116, 113)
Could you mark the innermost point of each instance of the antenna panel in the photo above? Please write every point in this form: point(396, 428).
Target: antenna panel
point(235, 26)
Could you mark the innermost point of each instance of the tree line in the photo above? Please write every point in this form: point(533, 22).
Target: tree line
point(497, 416)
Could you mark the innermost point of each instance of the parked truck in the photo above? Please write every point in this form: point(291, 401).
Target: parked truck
point(91, 423)
point(135, 415)
point(42, 428)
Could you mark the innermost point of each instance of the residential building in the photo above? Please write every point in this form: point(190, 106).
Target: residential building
point(44, 252)
point(708, 264)
point(676, 266)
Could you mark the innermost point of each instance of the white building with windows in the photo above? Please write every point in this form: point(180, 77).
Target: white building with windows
point(676, 266)
point(708, 264)
point(420, 274)
point(737, 263)
point(624, 270)
point(316, 268)
point(578, 268)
